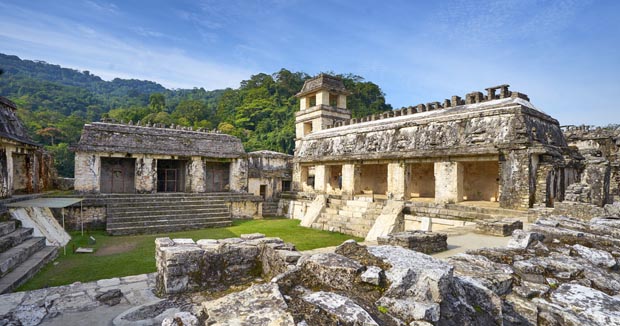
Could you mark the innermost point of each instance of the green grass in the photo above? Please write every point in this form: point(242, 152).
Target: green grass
point(139, 254)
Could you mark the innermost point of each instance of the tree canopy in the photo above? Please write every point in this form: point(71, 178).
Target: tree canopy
point(55, 103)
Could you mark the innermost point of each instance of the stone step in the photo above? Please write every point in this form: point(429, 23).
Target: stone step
point(166, 211)
point(166, 228)
point(20, 253)
point(449, 213)
point(27, 269)
point(166, 220)
point(162, 202)
point(7, 227)
point(171, 217)
point(14, 238)
point(489, 210)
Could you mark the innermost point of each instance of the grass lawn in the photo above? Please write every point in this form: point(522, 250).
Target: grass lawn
point(117, 256)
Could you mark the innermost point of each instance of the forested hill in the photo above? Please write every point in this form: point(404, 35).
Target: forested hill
point(55, 102)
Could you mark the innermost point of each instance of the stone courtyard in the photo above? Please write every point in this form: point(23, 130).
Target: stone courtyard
point(562, 271)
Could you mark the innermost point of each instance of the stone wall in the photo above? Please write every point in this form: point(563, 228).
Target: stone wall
point(92, 217)
point(184, 265)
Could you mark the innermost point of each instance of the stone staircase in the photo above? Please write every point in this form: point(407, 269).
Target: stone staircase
point(462, 212)
point(270, 208)
point(21, 255)
point(167, 212)
point(355, 217)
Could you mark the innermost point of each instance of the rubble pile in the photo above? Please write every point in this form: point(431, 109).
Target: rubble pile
point(563, 271)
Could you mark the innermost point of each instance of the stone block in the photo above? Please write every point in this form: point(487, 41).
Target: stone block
point(502, 228)
point(426, 242)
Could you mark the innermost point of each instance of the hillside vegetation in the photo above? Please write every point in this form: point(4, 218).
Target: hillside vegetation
point(55, 102)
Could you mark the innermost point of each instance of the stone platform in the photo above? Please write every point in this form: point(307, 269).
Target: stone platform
point(422, 241)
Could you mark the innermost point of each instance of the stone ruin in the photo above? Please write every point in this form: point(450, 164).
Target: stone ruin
point(563, 271)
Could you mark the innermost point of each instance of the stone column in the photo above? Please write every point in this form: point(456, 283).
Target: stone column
point(238, 175)
point(396, 181)
point(87, 172)
point(196, 175)
point(146, 175)
point(350, 179)
point(320, 180)
point(448, 182)
point(516, 173)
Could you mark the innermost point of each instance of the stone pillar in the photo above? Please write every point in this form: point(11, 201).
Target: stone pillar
point(350, 179)
point(87, 172)
point(196, 175)
point(238, 175)
point(146, 175)
point(342, 101)
point(515, 179)
point(320, 178)
point(396, 177)
point(448, 182)
point(322, 97)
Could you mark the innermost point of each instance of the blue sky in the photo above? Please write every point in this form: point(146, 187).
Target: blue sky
point(564, 54)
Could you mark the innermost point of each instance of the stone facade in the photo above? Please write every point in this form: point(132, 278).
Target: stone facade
point(127, 158)
point(269, 173)
point(456, 137)
point(25, 167)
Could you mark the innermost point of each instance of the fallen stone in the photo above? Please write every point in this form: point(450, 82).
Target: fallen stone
point(252, 236)
point(373, 275)
point(573, 304)
point(497, 277)
point(524, 240)
point(256, 306)
point(426, 242)
point(595, 256)
point(332, 270)
point(181, 319)
point(110, 298)
point(340, 309)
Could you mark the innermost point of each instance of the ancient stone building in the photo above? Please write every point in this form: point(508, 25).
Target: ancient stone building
point(24, 167)
point(493, 150)
point(127, 158)
point(269, 173)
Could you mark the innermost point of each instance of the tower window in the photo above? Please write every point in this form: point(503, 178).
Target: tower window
point(307, 127)
point(333, 99)
point(312, 100)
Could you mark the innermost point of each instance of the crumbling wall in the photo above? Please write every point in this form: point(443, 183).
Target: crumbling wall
point(184, 265)
point(87, 172)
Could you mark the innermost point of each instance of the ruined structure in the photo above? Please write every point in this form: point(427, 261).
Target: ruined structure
point(494, 150)
point(24, 167)
point(563, 272)
point(127, 158)
point(155, 178)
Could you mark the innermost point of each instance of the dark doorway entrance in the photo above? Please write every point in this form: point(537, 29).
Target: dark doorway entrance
point(263, 191)
point(170, 176)
point(117, 175)
point(217, 176)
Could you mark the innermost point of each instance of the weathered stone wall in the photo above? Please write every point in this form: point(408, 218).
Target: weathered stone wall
point(91, 217)
point(245, 209)
point(453, 131)
point(146, 175)
point(87, 172)
point(448, 182)
point(514, 174)
point(184, 265)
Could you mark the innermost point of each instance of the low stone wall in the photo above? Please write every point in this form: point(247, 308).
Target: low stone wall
point(184, 265)
point(64, 183)
point(422, 241)
point(502, 228)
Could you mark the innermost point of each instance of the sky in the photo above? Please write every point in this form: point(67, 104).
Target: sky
point(564, 54)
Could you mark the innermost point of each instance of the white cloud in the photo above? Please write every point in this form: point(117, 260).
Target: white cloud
point(76, 45)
